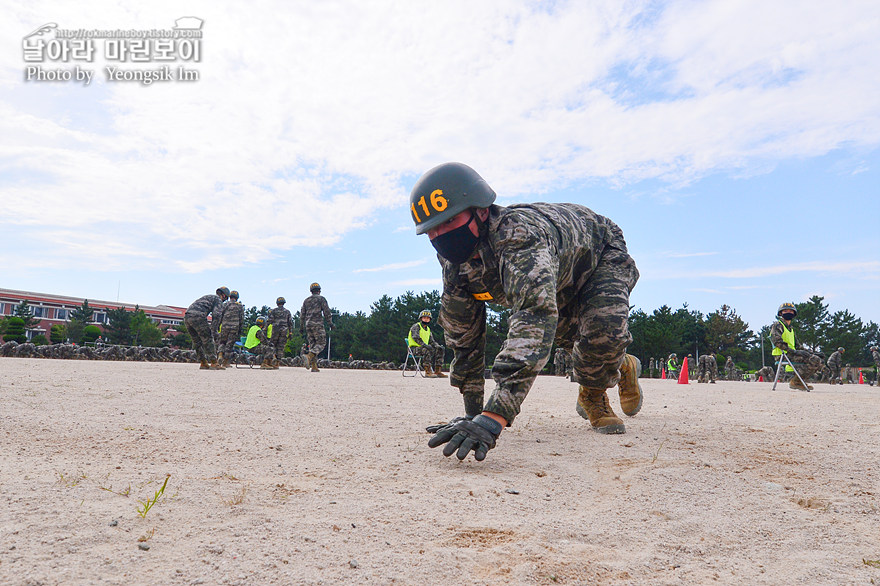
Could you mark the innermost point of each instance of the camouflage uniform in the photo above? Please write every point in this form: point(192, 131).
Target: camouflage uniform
point(834, 363)
point(707, 369)
point(314, 312)
point(230, 322)
point(196, 320)
point(767, 372)
point(671, 366)
point(811, 363)
point(282, 324)
point(432, 351)
point(565, 273)
point(730, 369)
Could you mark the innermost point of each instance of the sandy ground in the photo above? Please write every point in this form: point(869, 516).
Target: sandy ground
point(291, 477)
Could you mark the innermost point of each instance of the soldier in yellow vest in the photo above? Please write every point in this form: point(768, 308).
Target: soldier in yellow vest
point(782, 336)
point(259, 342)
point(422, 343)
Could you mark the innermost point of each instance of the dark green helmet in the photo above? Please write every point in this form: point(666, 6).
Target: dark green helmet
point(223, 291)
point(787, 306)
point(233, 295)
point(280, 301)
point(444, 192)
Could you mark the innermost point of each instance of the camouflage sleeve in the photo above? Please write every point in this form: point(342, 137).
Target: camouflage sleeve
point(289, 321)
point(528, 274)
point(302, 318)
point(325, 307)
point(414, 333)
point(463, 320)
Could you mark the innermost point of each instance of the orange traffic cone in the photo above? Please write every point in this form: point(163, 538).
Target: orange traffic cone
point(663, 373)
point(683, 377)
point(861, 378)
point(761, 378)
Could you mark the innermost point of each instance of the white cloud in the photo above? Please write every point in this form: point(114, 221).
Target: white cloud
point(309, 118)
point(438, 282)
point(393, 266)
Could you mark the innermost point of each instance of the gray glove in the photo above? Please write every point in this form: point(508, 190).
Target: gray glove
point(478, 434)
point(453, 421)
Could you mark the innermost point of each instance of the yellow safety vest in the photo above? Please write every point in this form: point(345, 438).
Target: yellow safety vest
point(787, 337)
point(252, 336)
point(424, 334)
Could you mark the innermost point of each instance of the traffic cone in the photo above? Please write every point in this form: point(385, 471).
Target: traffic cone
point(861, 378)
point(683, 377)
point(663, 373)
point(760, 378)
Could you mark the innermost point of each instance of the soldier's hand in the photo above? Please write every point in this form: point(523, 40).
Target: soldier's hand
point(453, 421)
point(478, 434)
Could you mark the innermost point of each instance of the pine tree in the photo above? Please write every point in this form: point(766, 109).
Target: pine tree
point(24, 311)
point(82, 314)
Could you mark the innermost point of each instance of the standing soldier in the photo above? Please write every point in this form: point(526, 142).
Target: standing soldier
point(702, 367)
point(422, 343)
point(730, 369)
point(196, 320)
point(230, 327)
point(315, 311)
point(834, 364)
point(782, 336)
point(651, 368)
point(281, 323)
point(565, 273)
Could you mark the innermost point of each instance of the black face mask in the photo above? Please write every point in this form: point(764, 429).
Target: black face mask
point(458, 245)
point(788, 316)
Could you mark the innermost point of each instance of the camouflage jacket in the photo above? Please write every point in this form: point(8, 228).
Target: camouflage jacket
point(279, 317)
point(776, 335)
point(232, 315)
point(534, 259)
point(876, 356)
point(315, 310)
point(834, 360)
point(205, 305)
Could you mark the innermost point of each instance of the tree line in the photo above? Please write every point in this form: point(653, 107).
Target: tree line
point(380, 334)
point(722, 331)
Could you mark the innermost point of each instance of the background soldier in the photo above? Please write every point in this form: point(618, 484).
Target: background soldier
point(766, 372)
point(672, 366)
point(782, 336)
point(565, 273)
point(834, 364)
point(229, 326)
point(315, 311)
point(282, 323)
point(711, 367)
point(196, 320)
point(730, 369)
point(422, 343)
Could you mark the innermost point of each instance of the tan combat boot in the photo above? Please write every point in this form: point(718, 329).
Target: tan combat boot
point(204, 365)
point(428, 372)
point(628, 388)
point(314, 363)
point(216, 366)
point(438, 373)
point(798, 385)
point(593, 406)
point(221, 360)
point(276, 364)
point(265, 365)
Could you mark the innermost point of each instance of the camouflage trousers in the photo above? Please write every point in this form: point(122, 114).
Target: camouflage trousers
point(202, 337)
point(807, 364)
point(596, 331)
point(228, 338)
point(278, 341)
point(316, 337)
point(433, 353)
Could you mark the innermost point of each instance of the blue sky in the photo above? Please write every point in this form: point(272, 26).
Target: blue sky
point(737, 144)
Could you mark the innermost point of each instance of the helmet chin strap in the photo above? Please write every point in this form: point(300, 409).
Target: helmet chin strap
point(482, 228)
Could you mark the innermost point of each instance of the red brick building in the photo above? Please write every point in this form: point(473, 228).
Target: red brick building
point(55, 309)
